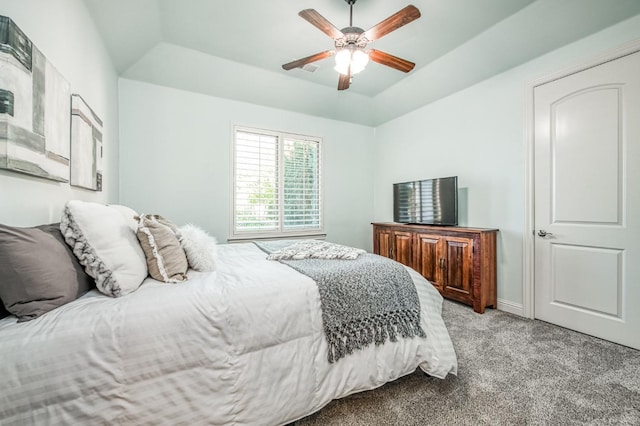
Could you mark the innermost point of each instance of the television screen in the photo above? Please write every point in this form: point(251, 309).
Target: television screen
point(426, 202)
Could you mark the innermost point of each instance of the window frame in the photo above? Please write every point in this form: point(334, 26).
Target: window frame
point(319, 232)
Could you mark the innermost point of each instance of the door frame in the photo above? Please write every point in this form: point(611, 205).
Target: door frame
point(528, 261)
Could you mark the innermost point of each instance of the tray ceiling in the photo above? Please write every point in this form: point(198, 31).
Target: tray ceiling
point(235, 48)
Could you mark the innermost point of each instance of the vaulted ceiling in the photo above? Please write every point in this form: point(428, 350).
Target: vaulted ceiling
point(235, 49)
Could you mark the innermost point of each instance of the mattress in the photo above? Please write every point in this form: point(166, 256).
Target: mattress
point(242, 346)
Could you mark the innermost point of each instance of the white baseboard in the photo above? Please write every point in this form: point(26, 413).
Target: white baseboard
point(511, 307)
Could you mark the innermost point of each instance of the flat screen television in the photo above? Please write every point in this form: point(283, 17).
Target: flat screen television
point(426, 202)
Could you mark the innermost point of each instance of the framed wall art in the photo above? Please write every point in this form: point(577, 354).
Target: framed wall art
point(34, 109)
point(86, 146)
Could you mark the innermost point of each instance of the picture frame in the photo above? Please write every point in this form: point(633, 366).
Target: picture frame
point(86, 145)
point(34, 109)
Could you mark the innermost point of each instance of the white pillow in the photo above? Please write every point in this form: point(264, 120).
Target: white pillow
point(103, 242)
point(200, 248)
point(129, 214)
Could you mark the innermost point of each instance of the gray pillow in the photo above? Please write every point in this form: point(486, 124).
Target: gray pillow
point(38, 271)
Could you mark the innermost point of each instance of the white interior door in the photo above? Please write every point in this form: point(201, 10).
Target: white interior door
point(587, 201)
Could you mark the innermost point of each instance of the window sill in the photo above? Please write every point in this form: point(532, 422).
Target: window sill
point(249, 238)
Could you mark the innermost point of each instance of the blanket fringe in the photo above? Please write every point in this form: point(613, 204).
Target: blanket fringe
point(347, 338)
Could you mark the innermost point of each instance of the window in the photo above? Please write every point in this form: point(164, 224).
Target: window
point(277, 184)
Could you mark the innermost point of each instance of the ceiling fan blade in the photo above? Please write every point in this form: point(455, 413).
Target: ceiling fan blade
point(344, 81)
point(321, 23)
point(299, 63)
point(393, 22)
point(390, 60)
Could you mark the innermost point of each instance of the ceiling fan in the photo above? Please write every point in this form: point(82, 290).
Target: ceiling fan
point(351, 41)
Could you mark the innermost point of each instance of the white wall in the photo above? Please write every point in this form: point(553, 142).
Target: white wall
point(175, 159)
point(478, 135)
point(65, 33)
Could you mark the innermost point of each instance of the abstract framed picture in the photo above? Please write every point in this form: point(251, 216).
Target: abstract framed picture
point(34, 109)
point(86, 146)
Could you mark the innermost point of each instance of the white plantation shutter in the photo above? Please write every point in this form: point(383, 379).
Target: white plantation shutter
point(256, 182)
point(277, 184)
point(301, 184)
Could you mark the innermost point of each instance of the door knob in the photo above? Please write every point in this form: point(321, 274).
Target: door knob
point(542, 233)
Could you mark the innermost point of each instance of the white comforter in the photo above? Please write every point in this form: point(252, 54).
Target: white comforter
point(244, 345)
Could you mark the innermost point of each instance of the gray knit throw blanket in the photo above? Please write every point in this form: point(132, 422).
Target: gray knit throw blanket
point(365, 300)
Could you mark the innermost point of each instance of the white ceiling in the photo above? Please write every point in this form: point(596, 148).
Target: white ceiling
point(235, 49)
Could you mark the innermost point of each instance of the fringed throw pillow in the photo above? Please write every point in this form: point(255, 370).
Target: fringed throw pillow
point(166, 260)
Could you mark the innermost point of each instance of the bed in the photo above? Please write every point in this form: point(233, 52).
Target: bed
point(243, 345)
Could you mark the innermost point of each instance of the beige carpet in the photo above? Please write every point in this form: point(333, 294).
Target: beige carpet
point(512, 371)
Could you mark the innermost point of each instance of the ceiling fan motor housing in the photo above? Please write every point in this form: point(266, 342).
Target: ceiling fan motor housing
point(352, 36)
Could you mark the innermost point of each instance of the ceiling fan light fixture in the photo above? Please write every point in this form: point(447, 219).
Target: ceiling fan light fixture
point(350, 57)
point(343, 60)
point(359, 60)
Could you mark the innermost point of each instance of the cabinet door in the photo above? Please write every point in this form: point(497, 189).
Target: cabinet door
point(384, 242)
point(427, 258)
point(458, 267)
point(403, 247)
